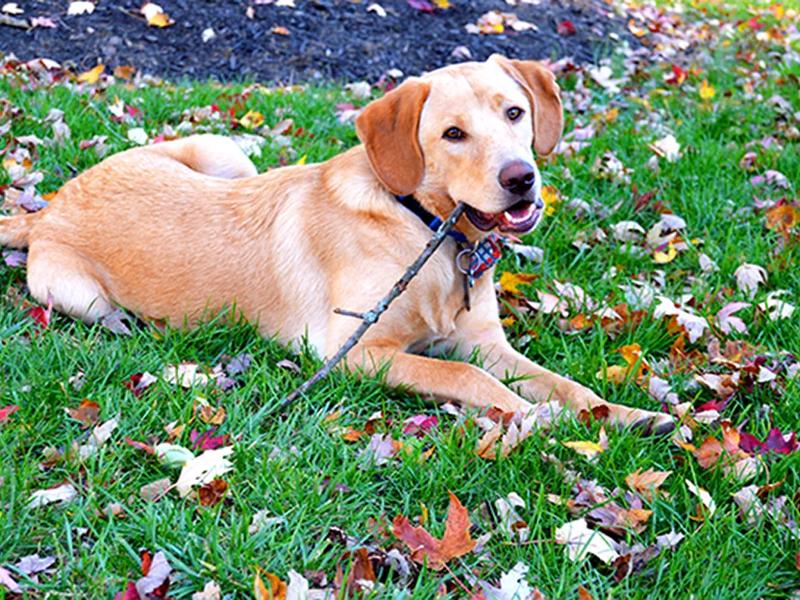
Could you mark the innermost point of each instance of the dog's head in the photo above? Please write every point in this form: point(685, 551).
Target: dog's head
point(464, 133)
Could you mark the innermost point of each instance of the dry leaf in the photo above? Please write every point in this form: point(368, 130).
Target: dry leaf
point(704, 496)
point(154, 491)
point(92, 75)
point(63, 493)
point(647, 483)
point(510, 282)
point(203, 469)
point(580, 541)
point(456, 541)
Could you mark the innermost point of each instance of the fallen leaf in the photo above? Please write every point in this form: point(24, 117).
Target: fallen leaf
point(212, 492)
point(86, 413)
point(727, 322)
point(7, 411)
point(512, 586)
point(275, 591)
point(581, 541)
point(647, 483)
point(510, 282)
point(204, 468)
point(704, 496)
point(156, 576)
point(62, 493)
point(92, 75)
point(455, 542)
point(211, 591)
point(588, 449)
point(154, 491)
point(155, 15)
point(79, 7)
point(8, 582)
point(749, 277)
point(186, 375)
point(776, 307)
point(33, 564)
point(707, 92)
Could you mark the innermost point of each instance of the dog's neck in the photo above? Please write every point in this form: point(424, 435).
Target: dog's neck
point(441, 205)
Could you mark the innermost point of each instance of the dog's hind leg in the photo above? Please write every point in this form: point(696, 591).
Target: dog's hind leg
point(214, 155)
point(59, 274)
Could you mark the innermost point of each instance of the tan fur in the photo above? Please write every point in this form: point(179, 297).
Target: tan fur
point(183, 230)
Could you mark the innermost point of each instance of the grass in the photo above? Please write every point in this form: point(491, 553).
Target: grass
point(291, 464)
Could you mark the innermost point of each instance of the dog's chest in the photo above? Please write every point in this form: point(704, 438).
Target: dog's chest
point(440, 297)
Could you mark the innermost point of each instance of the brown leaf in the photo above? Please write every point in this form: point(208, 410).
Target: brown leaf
point(646, 483)
point(782, 217)
point(86, 413)
point(212, 492)
point(361, 573)
point(211, 415)
point(456, 541)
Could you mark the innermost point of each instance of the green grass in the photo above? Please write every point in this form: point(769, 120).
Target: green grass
point(719, 558)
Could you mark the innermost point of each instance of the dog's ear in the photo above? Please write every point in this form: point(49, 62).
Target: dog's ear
point(388, 127)
point(544, 95)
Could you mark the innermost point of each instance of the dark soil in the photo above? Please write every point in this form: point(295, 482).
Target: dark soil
point(334, 39)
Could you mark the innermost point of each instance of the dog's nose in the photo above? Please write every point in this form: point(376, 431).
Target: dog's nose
point(517, 177)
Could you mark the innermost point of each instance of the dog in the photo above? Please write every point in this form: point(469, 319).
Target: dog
point(185, 229)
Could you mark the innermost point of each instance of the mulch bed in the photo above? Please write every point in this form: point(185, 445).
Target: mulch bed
point(331, 39)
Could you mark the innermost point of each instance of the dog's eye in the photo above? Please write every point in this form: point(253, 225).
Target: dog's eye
point(453, 134)
point(514, 113)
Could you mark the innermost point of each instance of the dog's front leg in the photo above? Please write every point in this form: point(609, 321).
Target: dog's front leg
point(539, 384)
point(444, 380)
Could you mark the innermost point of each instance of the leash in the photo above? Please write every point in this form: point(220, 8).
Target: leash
point(471, 260)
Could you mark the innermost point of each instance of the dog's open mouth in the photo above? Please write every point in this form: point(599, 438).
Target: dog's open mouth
point(520, 218)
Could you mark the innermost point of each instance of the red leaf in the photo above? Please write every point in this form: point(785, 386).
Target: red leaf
point(566, 28)
point(130, 593)
point(41, 315)
point(207, 440)
point(7, 411)
point(140, 445)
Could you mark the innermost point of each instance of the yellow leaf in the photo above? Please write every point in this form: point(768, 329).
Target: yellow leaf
point(155, 15)
point(252, 119)
point(663, 258)
point(443, 4)
point(585, 448)
point(510, 282)
point(508, 321)
point(550, 198)
point(615, 374)
point(91, 76)
point(707, 91)
point(302, 160)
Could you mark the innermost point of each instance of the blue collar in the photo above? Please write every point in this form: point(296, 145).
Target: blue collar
point(431, 221)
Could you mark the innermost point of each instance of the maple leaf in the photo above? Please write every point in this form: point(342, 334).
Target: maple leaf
point(782, 217)
point(456, 541)
point(647, 483)
point(727, 322)
point(749, 277)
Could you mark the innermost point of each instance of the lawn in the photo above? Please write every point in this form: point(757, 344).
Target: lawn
point(731, 101)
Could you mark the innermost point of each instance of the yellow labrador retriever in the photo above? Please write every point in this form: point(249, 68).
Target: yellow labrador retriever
point(184, 229)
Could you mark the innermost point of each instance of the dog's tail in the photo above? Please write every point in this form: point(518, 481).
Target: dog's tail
point(14, 231)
